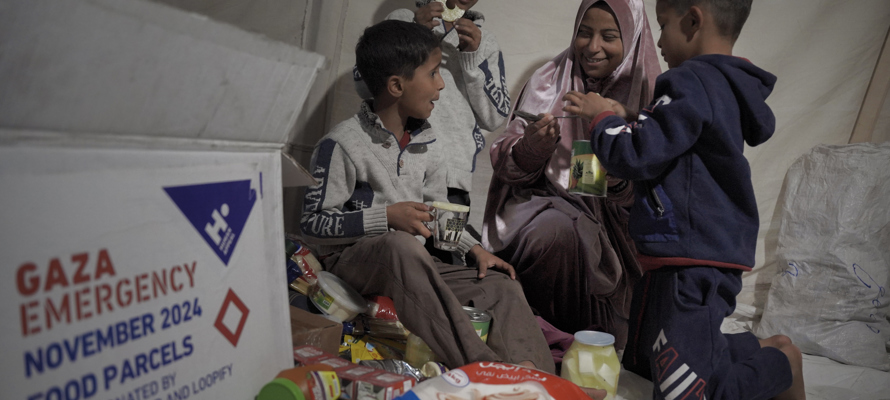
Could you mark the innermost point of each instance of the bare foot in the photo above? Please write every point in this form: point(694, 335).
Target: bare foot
point(777, 341)
point(596, 394)
point(797, 391)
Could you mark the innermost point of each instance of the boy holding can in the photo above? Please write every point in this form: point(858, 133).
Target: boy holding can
point(695, 219)
point(366, 215)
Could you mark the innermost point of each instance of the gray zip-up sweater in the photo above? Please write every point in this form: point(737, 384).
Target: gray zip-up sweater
point(474, 98)
point(361, 170)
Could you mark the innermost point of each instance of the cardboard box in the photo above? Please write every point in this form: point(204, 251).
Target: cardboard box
point(312, 329)
point(141, 222)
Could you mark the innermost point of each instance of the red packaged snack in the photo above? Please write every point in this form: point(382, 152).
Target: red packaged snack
point(307, 262)
point(381, 307)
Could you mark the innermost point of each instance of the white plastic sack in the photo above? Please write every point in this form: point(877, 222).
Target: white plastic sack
point(834, 243)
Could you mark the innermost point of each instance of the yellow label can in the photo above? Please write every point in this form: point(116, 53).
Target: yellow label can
point(588, 177)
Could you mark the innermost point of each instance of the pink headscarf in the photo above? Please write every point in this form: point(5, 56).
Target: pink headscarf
point(630, 84)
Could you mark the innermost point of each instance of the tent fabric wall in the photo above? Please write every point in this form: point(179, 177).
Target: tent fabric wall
point(824, 53)
point(272, 18)
point(882, 126)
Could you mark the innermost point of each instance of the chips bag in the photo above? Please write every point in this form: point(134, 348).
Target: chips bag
point(495, 381)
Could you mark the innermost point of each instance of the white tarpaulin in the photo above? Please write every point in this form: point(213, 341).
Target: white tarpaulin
point(834, 245)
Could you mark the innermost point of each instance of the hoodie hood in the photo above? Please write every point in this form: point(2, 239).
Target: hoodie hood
point(751, 86)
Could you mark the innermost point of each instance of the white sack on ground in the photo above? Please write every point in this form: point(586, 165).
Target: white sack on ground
point(834, 245)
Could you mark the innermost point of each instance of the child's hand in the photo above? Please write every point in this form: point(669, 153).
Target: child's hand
point(622, 112)
point(587, 105)
point(486, 260)
point(543, 133)
point(409, 216)
point(469, 35)
point(427, 14)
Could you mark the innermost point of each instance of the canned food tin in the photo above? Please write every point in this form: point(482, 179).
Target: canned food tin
point(324, 385)
point(481, 321)
point(588, 177)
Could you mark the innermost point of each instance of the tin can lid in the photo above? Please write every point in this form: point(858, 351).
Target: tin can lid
point(477, 315)
point(595, 338)
point(281, 389)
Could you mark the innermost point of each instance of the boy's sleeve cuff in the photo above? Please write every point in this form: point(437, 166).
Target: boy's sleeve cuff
point(470, 60)
point(601, 116)
point(467, 242)
point(375, 221)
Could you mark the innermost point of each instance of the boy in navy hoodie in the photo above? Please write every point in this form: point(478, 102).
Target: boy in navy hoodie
point(694, 219)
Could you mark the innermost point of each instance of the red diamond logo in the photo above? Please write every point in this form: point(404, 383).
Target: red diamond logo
point(231, 298)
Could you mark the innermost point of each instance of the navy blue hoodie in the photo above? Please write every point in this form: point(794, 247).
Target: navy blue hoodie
point(694, 201)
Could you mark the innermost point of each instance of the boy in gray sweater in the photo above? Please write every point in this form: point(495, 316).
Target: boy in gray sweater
point(376, 170)
point(475, 95)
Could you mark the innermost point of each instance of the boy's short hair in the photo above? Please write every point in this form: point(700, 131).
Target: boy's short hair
point(730, 15)
point(392, 48)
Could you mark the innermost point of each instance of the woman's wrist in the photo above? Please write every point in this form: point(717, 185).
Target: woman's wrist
point(531, 158)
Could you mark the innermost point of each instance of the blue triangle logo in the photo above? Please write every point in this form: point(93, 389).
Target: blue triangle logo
point(218, 211)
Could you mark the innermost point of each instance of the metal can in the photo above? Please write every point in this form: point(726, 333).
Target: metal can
point(481, 321)
point(324, 385)
point(588, 177)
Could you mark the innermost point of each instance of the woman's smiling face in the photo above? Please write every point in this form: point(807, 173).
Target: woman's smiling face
point(598, 47)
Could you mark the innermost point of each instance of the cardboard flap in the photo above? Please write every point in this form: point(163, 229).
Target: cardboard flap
point(293, 174)
point(315, 330)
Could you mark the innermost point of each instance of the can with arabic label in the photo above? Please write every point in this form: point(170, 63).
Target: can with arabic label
point(588, 177)
point(481, 321)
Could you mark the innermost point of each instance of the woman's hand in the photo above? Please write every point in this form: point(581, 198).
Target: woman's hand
point(543, 133)
point(486, 260)
point(409, 216)
point(427, 14)
point(587, 105)
point(469, 35)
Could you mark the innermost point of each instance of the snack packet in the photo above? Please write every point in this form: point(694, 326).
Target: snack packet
point(381, 307)
point(495, 381)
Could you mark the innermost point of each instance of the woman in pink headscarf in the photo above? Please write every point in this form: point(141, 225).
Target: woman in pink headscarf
point(572, 253)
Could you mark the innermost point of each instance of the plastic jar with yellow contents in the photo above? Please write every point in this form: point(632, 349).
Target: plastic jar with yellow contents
point(417, 352)
point(592, 362)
